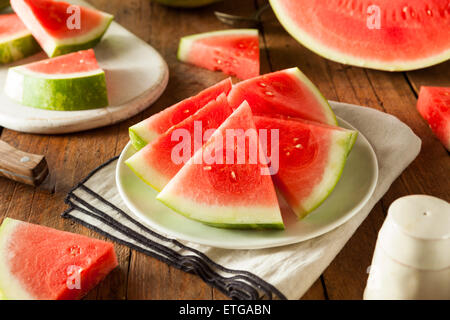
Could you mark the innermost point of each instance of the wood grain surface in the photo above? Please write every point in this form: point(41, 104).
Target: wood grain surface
point(73, 156)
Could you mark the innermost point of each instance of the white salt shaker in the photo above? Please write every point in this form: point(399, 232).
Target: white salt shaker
point(412, 254)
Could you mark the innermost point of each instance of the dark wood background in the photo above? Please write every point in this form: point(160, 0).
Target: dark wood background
point(73, 156)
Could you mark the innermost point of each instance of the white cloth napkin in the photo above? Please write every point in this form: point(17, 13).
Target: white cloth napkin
point(282, 272)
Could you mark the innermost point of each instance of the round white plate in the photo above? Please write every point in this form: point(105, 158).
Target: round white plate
point(354, 189)
point(136, 76)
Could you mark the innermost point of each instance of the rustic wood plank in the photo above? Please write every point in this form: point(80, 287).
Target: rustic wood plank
point(438, 76)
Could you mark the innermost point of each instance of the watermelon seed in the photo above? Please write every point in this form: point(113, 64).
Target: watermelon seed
point(269, 93)
point(241, 45)
point(186, 111)
point(299, 146)
point(288, 153)
point(429, 12)
point(262, 84)
point(233, 175)
point(207, 168)
point(219, 61)
point(295, 139)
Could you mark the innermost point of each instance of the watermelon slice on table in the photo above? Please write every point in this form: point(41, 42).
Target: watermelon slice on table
point(234, 51)
point(149, 129)
point(16, 42)
point(384, 34)
point(311, 159)
point(434, 106)
point(288, 92)
point(56, 26)
point(156, 164)
point(41, 263)
point(225, 195)
point(70, 82)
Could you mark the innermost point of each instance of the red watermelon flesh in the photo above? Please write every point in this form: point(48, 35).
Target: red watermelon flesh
point(40, 263)
point(288, 92)
point(54, 26)
point(311, 159)
point(383, 34)
point(11, 25)
point(149, 129)
point(434, 106)
point(228, 194)
point(235, 51)
point(156, 163)
point(81, 61)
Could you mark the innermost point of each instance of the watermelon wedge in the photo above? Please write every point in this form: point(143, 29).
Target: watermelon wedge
point(288, 92)
point(383, 34)
point(311, 159)
point(434, 106)
point(70, 82)
point(229, 195)
point(60, 27)
point(234, 51)
point(41, 263)
point(16, 42)
point(149, 129)
point(159, 161)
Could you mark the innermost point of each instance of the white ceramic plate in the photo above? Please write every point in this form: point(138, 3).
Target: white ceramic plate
point(354, 189)
point(136, 76)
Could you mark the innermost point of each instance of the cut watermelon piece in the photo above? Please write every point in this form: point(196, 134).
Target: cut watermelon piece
point(41, 263)
point(70, 82)
point(288, 92)
point(384, 35)
point(156, 164)
point(311, 159)
point(16, 42)
point(235, 51)
point(434, 106)
point(149, 129)
point(61, 27)
point(225, 195)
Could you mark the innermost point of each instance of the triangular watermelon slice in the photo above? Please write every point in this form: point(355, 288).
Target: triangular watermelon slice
point(149, 129)
point(311, 159)
point(74, 81)
point(41, 263)
point(288, 92)
point(233, 51)
point(16, 41)
point(434, 106)
point(61, 27)
point(160, 161)
point(231, 194)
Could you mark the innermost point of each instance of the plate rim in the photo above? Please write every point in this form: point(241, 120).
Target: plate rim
point(283, 241)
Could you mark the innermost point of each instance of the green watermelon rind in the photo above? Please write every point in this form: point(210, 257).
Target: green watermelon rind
point(322, 50)
point(222, 224)
point(136, 138)
point(8, 283)
point(135, 164)
point(80, 91)
point(186, 42)
point(18, 47)
point(141, 135)
point(343, 142)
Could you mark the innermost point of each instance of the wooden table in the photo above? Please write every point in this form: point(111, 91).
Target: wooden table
point(73, 156)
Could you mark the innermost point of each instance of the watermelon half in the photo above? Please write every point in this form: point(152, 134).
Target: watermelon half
point(228, 195)
point(60, 27)
point(41, 263)
point(234, 51)
point(288, 92)
point(434, 106)
point(159, 161)
point(383, 34)
point(16, 42)
point(311, 159)
point(70, 82)
point(149, 129)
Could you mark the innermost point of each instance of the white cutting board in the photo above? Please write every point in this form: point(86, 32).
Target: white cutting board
point(136, 76)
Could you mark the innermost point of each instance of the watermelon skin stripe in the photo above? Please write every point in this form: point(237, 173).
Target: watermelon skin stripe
point(65, 94)
point(17, 48)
